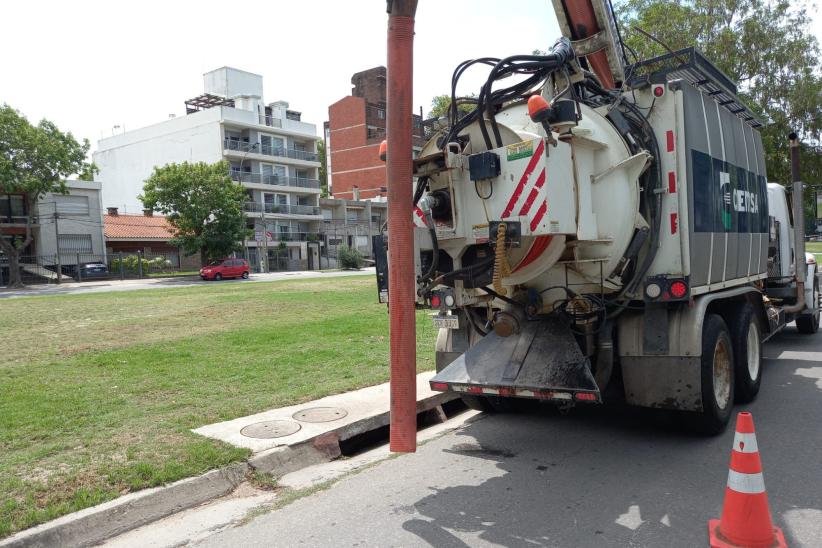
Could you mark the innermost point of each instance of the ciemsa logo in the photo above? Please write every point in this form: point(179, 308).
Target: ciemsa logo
point(737, 200)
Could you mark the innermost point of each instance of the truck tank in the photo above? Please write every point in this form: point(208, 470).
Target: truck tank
point(546, 219)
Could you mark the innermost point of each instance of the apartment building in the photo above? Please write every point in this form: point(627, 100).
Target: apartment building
point(270, 150)
point(352, 223)
point(355, 129)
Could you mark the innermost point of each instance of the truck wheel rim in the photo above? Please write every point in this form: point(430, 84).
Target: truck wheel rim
point(753, 351)
point(722, 374)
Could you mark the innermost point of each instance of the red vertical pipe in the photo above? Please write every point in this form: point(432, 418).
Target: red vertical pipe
point(401, 284)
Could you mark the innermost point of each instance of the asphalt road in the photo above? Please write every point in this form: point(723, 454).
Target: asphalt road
point(598, 476)
point(101, 286)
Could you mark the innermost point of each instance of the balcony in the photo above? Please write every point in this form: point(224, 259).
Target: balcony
point(260, 179)
point(270, 121)
point(282, 209)
point(280, 152)
point(375, 134)
point(290, 236)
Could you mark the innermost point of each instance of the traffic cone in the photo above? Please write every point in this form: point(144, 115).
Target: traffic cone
point(746, 518)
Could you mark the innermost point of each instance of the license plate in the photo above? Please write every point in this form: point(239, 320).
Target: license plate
point(447, 322)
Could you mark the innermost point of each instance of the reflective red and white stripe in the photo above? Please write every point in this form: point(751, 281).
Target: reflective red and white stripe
point(534, 180)
point(507, 391)
point(419, 218)
point(745, 473)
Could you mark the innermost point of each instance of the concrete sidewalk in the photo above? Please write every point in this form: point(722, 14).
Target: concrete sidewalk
point(73, 288)
point(342, 415)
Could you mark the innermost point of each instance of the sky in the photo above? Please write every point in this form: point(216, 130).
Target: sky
point(93, 65)
point(90, 65)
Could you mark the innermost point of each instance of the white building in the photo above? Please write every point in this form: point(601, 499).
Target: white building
point(72, 223)
point(270, 151)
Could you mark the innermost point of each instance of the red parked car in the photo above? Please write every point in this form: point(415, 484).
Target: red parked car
point(225, 268)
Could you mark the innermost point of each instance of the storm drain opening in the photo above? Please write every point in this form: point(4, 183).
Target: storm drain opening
point(377, 437)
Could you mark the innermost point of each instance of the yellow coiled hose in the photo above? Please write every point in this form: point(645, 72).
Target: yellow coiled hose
point(501, 267)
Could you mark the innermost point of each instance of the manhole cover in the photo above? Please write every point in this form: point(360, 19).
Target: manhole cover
point(270, 429)
point(320, 414)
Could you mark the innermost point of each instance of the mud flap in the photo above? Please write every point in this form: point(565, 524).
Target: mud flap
point(542, 361)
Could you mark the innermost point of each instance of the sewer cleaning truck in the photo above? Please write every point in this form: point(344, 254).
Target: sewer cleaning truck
point(593, 227)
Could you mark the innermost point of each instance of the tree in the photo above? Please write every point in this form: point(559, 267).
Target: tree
point(323, 168)
point(764, 46)
point(34, 160)
point(202, 204)
point(441, 103)
point(88, 172)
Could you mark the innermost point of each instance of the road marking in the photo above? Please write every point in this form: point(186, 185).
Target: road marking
point(796, 355)
point(803, 524)
point(811, 373)
point(631, 519)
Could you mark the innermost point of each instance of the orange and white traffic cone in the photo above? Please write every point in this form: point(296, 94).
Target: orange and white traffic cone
point(746, 518)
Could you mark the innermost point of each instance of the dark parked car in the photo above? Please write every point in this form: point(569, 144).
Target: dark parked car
point(93, 270)
point(225, 268)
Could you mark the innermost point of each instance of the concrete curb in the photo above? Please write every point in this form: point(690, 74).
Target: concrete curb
point(98, 523)
point(117, 516)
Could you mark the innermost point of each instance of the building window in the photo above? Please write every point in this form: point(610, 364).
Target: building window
point(381, 113)
point(13, 208)
point(72, 205)
point(74, 243)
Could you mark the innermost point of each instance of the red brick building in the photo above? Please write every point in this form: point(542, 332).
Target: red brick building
point(354, 131)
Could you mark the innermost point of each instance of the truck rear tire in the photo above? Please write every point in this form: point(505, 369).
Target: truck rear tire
point(808, 324)
point(746, 337)
point(717, 377)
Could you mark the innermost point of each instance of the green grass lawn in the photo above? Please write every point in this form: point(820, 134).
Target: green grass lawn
point(815, 248)
point(98, 392)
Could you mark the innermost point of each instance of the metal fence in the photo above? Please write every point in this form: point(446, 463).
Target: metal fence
point(82, 267)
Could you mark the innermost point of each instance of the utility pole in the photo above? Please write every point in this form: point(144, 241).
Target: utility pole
point(57, 245)
point(402, 286)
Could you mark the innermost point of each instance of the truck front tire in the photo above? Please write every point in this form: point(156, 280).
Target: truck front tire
point(747, 345)
point(717, 365)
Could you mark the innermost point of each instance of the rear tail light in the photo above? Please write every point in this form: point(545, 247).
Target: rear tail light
point(586, 396)
point(441, 386)
point(435, 301)
point(679, 289)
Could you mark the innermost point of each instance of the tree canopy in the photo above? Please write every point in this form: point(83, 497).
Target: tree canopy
point(321, 155)
point(202, 204)
point(441, 103)
point(765, 46)
point(35, 160)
